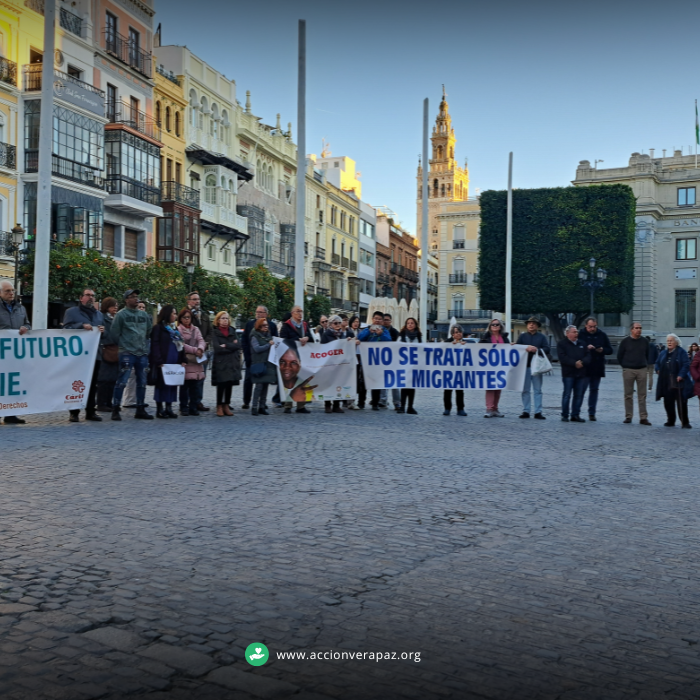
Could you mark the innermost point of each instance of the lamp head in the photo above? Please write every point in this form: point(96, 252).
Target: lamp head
point(582, 274)
point(592, 263)
point(18, 235)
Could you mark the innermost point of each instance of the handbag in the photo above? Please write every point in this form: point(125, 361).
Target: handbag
point(540, 364)
point(173, 375)
point(110, 353)
point(258, 370)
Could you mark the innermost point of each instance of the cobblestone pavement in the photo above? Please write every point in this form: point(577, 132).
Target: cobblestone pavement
point(521, 559)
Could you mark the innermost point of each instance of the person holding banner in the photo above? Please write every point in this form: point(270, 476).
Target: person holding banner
point(495, 334)
point(410, 333)
point(86, 317)
point(195, 346)
point(13, 316)
point(109, 367)
point(574, 358)
point(376, 333)
point(334, 331)
point(354, 328)
point(457, 333)
point(131, 332)
point(536, 342)
point(167, 348)
point(263, 372)
point(297, 330)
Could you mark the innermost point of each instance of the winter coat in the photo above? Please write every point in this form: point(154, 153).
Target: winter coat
point(679, 368)
point(365, 335)
point(569, 354)
point(202, 320)
point(226, 366)
point(486, 338)
point(158, 355)
point(259, 352)
point(599, 339)
point(290, 332)
point(245, 337)
point(537, 340)
point(13, 320)
point(109, 371)
point(404, 338)
point(192, 337)
point(77, 316)
point(328, 336)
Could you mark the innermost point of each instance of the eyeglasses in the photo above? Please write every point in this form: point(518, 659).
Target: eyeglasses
point(496, 325)
point(88, 295)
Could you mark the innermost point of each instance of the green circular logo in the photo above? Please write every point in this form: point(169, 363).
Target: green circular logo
point(256, 654)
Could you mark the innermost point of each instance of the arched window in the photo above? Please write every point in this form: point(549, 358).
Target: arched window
point(259, 174)
point(204, 110)
point(435, 186)
point(439, 152)
point(167, 118)
point(215, 121)
point(443, 190)
point(177, 124)
point(158, 113)
point(194, 102)
point(210, 189)
point(223, 182)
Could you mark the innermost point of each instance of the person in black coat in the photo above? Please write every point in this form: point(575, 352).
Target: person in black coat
point(226, 367)
point(260, 312)
point(167, 348)
point(599, 345)
point(574, 358)
point(296, 329)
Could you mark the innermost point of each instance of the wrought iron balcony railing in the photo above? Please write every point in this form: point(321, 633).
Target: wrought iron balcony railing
point(168, 76)
point(32, 79)
point(8, 156)
point(8, 71)
point(458, 244)
point(344, 262)
point(122, 112)
point(353, 266)
point(62, 167)
point(458, 278)
point(175, 192)
point(320, 253)
point(469, 313)
point(249, 260)
point(335, 258)
point(128, 52)
point(137, 190)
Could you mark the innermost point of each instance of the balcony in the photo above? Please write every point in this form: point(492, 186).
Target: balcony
point(383, 278)
point(468, 313)
point(249, 260)
point(62, 167)
point(70, 22)
point(320, 253)
point(168, 76)
point(128, 52)
point(353, 266)
point(323, 291)
point(336, 302)
point(32, 80)
point(122, 112)
point(335, 259)
point(8, 72)
point(432, 288)
point(223, 216)
point(458, 245)
point(141, 191)
point(344, 262)
point(279, 268)
point(8, 156)
point(175, 192)
point(458, 278)
point(432, 315)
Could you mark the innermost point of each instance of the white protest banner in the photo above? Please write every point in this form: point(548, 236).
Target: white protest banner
point(443, 366)
point(314, 371)
point(44, 371)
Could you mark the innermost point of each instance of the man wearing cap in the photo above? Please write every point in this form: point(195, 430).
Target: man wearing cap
point(598, 343)
point(535, 342)
point(131, 331)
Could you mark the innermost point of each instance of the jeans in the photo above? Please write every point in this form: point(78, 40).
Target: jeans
point(127, 362)
point(578, 385)
point(260, 396)
point(536, 383)
point(593, 384)
point(395, 397)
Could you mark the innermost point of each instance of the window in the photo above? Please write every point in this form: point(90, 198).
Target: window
point(131, 244)
point(111, 27)
point(159, 114)
point(687, 249)
point(686, 302)
point(227, 256)
point(167, 118)
point(74, 72)
point(177, 123)
point(211, 252)
point(318, 201)
point(686, 198)
point(35, 56)
point(134, 47)
point(108, 239)
point(178, 172)
point(210, 190)
point(351, 225)
point(112, 102)
point(366, 258)
point(133, 166)
point(135, 105)
point(169, 170)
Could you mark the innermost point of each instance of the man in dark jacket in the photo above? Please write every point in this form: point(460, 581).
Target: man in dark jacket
point(295, 328)
point(599, 345)
point(535, 342)
point(632, 354)
point(13, 316)
point(202, 320)
point(652, 357)
point(86, 317)
point(395, 393)
point(260, 312)
point(377, 333)
point(574, 357)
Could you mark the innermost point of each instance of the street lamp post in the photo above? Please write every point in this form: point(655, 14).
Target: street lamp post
point(13, 248)
point(596, 281)
point(190, 271)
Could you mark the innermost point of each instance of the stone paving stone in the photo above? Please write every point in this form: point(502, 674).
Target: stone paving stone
point(193, 663)
point(257, 685)
point(115, 638)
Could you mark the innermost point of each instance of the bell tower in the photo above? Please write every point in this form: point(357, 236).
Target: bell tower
point(447, 182)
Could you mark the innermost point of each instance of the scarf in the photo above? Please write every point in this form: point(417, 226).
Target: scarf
point(337, 333)
point(412, 335)
point(175, 336)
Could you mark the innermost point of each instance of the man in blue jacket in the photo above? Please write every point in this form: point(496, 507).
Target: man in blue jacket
point(376, 333)
point(599, 346)
point(86, 317)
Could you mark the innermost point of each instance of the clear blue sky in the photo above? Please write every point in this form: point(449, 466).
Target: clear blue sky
point(554, 83)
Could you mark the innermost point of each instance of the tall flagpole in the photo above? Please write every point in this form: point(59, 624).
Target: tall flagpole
point(40, 299)
point(423, 303)
point(697, 133)
point(509, 246)
point(300, 238)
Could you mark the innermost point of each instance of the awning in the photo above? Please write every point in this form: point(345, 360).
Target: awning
point(209, 158)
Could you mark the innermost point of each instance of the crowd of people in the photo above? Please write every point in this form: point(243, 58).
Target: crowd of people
point(134, 351)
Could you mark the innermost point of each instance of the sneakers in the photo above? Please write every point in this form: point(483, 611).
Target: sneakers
point(497, 414)
point(412, 411)
point(488, 414)
point(539, 416)
point(524, 414)
point(462, 413)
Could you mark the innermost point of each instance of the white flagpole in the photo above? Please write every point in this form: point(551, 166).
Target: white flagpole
point(509, 246)
point(696, 133)
point(300, 233)
point(423, 302)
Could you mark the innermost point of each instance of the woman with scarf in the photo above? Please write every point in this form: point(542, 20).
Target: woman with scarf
point(226, 368)
point(495, 334)
point(195, 345)
point(410, 333)
point(334, 331)
point(263, 371)
point(675, 385)
point(166, 349)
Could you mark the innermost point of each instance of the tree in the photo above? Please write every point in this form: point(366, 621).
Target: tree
point(318, 306)
point(258, 289)
point(555, 233)
point(284, 297)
